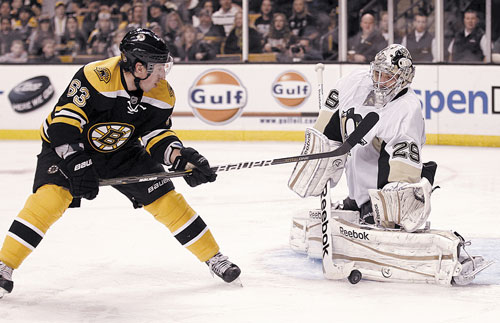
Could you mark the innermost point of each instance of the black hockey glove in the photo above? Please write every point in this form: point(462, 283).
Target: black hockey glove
point(82, 177)
point(202, 173)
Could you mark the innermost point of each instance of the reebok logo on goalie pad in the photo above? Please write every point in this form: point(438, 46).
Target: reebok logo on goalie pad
point(353, 234)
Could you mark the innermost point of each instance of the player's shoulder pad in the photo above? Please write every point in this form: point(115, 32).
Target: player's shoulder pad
point(162, 96)
point(104, 75)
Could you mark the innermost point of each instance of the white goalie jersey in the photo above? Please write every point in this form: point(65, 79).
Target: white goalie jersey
point(390, 152)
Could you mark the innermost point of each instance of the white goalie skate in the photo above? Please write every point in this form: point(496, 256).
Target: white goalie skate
point(470, 266)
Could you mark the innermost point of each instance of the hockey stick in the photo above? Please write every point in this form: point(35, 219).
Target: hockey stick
point(330, 269)
point(361, 130)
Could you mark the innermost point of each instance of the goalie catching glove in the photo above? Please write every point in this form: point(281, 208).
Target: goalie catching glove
point(404, 204)
point(309, 177)
point(200, 174)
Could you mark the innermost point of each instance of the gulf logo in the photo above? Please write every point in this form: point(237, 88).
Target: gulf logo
point(217, 97)
point(291, 89)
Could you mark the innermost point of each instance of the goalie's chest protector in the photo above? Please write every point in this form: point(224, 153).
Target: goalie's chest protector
point(365, 164)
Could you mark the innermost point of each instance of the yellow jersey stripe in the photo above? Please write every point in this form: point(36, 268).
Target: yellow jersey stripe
point(42, 134)
point(155, 140)
point(72, 107)
point(69, 121)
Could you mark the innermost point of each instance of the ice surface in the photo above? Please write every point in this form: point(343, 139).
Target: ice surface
point(107, 262)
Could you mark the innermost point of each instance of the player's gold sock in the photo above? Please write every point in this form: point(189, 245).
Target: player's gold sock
point(41, 210)
point(187, 227)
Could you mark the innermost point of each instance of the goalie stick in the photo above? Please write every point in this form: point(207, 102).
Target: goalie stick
point(361, 130)
point(330, 269)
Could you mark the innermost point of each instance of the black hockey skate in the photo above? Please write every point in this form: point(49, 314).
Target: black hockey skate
point(6, 283)
point(222, 267)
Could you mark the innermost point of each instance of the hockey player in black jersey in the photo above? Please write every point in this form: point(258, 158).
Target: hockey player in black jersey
point(114, 120)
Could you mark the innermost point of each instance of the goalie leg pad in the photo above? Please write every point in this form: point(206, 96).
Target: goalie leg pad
point(404, 204)
point(397, 256)
point(432, 256)
point(306, 233)
point(309, 177)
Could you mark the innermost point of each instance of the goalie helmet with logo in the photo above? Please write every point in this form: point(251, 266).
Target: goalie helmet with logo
point(144, 46)
point(391, 71)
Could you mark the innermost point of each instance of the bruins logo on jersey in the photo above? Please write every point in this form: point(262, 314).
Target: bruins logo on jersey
point(109, 137)
point(103, 73)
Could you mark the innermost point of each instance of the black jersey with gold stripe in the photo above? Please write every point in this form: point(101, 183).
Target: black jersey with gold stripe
point(98, 111)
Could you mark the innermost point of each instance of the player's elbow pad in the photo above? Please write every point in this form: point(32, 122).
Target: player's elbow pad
point(310, 177)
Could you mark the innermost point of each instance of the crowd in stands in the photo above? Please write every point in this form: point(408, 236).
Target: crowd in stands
point(202, 30)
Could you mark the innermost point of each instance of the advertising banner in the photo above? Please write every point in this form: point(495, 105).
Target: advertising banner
point(460, 104)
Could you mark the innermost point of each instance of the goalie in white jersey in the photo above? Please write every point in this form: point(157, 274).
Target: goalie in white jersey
point(389, 185)
point(386, 165)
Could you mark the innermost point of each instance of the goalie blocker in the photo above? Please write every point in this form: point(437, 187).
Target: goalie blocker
point(425, 256)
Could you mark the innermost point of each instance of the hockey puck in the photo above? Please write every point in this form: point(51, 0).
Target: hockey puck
point(355, 277)
point(31, 94)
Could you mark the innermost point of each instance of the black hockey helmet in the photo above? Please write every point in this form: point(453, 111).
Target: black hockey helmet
point(144, 46)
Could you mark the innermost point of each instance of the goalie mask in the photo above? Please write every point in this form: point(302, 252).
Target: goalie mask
point(391, 71)
point(144, 46)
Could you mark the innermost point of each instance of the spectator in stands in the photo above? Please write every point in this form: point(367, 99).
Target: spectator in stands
point(210, 33)
point(73, 7)
point(43, 31)
point(384, 28)
point(90, 18)
point(263, 22)
point(15, 7)
point(5, 9)
point(156, 13)
point(7, 35)
point(302, 23)
point(114, 49)
point(301, 51)
point(329, 42)
point(36, 10)
point(100, 39)
point(367, 42)
point(468, 45)
point(48, 55)
point(209, 5)
point(188, 9)
point(233, 43)
point(279, 36)
point(420, 42)
point(193, 49)
point(25, 24)
point(59, 19)
point(17, 53)
point(157, 29)
point(173, 28)
point(125, 14)
point(72, 42)
point(225, 15)
point(383, 25)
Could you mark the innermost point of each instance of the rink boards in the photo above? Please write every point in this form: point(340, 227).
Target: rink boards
point(460, 103)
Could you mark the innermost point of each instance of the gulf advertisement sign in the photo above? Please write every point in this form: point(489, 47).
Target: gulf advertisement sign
point(217, 97)
point(291, 89)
